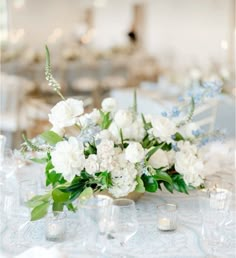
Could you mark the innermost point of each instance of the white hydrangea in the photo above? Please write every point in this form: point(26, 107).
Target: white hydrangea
point(134, 152)
point(105, 149)
point(65, 113)
point(124, 180)
point(68, 158)
point(188, 164)
point(163, 128)
point(109, 105)
point(123, 118)
point(104, 135)
point(91, 164)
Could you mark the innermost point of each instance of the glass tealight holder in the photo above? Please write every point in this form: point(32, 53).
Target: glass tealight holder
point(167, 217)
point(55, 226)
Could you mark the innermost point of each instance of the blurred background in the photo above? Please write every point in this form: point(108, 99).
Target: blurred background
point(103, 48)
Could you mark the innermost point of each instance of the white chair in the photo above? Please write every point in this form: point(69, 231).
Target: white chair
point(13, 90)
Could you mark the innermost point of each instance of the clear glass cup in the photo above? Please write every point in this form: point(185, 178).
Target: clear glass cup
point(55, 226)
point(123, 222)
point(94, 216)
point(167, 217)
point(28, 188)
point(2, 147)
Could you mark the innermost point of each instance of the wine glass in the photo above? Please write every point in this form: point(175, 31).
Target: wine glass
point(123, 222)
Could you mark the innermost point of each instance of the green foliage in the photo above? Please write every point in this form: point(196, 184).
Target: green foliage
point(105, 119)
point(48, 75)
point(150, 183)
point(140, 186)
point(152, 151)
point(147, 125)
point(39, 161)
point(86, 194)
point(39, 211)
point(51, 137)
point(178, 137)
point(179, 184)
point(91, 149)
point(104, 179)
point(161, 175)
point(59, 196)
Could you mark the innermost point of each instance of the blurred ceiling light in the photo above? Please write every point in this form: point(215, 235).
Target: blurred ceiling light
point(18, 4)
point(99, 3)
point(224, 44)
point(56, 34)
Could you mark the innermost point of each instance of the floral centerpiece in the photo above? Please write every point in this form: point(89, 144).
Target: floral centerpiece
point(120, 151)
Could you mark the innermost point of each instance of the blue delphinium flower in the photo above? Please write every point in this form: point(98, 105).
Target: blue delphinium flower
point(197, 132)
point(175, 112)
point(164, 113)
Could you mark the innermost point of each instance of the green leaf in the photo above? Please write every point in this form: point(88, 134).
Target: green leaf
point(135, 103)
point(39, 211)
point(150, 183)
point(169, 187)
point(105, 121)
point(37, 200)
point(40, 161)
point(71, 207)
point(51, 137)
point(178, 137)
point(57, 206)
point(86, 194)
point(161, 175)
point(152, 151)
point(59, 196)
point(140, 186)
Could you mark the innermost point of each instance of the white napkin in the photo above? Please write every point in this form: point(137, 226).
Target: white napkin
point(41, 252)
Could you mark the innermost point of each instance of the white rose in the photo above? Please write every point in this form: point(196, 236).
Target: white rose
point(134, 152)
point(135, 131)
point(104, 135)
point(163, 128)
point(68, 158)
point(65, 113)
point(123, 118)
point(159, 159)
point(109, 105)
point(114, 130)
point(91, 164)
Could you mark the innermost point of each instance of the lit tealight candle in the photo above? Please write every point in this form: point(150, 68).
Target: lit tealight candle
point(164, 224)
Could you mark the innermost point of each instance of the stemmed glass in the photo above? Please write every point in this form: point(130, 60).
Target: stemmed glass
point(123, 223)
point(214, 207)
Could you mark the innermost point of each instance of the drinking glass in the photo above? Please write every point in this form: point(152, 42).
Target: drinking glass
point(55, 226)
point(123, 222)
point(214, 206)
point(167, 217)
point(28, 189)
point(94, 216)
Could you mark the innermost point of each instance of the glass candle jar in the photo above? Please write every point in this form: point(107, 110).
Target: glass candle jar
point(55, 228)
point(167, 217)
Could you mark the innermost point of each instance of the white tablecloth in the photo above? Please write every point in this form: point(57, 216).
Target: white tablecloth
point(18, 235)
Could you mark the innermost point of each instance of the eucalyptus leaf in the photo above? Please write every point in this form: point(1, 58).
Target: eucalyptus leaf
point(39, 211)
point(51, 137)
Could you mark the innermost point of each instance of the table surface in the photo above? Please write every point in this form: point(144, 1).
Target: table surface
point(19, 234)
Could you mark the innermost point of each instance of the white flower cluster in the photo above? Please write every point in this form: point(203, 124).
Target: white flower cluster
point(189, 164)
point(69, 159)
